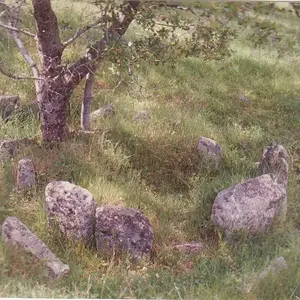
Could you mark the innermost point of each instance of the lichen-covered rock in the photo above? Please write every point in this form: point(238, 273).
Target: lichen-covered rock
point(275, 160)
point(73, 207)
point(142, 117)
point(250, 206)
point(17, 234)
point(123, 229)
point(106, 110)
point(7, 105)
point(9, 148)
point(210, 151)
point(26, 174)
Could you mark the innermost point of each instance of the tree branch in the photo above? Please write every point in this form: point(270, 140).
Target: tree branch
point(77, 71)
point(81, 31)
point(16, 77)
point(11, 28)
point(50, 45)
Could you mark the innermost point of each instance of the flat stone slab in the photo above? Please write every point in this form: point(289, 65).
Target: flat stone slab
point(17, 234)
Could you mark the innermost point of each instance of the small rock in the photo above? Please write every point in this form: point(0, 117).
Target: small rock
point(7, 105)
point(74, 208)
point(15, 233)
point(106, 110)
point(210, 151)
point(26, 174)
point(250, 206)
point(9, 148)
point(274, 160)
point(276, 265)
point(142, 116)
point(190, 248)
point(123, 229)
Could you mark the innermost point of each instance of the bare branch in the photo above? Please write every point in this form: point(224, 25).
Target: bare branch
point(16, 77)
point(11, 28)
point(81, 31)
point(76, 72)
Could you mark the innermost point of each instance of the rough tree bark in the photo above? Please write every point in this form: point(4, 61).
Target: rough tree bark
point(55, 82)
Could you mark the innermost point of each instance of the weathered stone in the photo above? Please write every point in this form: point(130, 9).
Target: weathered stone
point(26, 174)
point(210, 151)
point(73, 207)
point(275, 160)
point(123, 229)
point(106, 110)
point(9, 148)
point(276, 265)
point(190, 248)
point(142, 116)
point(7, 105)
point(17, 234)
point(250, 206)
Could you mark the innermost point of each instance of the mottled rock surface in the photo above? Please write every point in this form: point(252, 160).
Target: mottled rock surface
point(7, 105)
point(210, 151)
point(141, 117)
point(250, 206)
point(17, 234)
point(26, 174)
point(73, 207)
point(106, 110)
point(123, 229)
point(9, 148)
point(275, 160)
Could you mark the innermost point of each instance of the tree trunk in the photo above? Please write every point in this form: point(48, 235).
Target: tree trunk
point(53, 114)
point(87, 101)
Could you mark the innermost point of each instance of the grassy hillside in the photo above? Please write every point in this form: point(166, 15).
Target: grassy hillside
point(154, 167)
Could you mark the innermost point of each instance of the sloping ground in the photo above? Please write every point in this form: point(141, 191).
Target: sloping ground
point(244, 103)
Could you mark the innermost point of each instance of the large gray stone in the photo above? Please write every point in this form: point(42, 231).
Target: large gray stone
point(7, 105)
point(210, 151)
point(123, 229)
point(17, 234)
point(73, 207)
point(250, 206)
point(275, 160)
point(26, 174)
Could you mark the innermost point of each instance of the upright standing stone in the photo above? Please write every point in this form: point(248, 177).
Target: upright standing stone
point(123, 229)
point(17, 234)
point(210, 151)
point(274, 160)
point(74, 208)
point(26, 174)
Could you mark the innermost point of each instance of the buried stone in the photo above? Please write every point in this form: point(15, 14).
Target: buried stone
point(17, 234)
point(73, 208)
point(123, 229)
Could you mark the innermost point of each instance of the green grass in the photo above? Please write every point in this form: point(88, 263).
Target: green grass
point(154, 167)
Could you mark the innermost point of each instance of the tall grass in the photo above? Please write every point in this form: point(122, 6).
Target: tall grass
point(244, 102)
